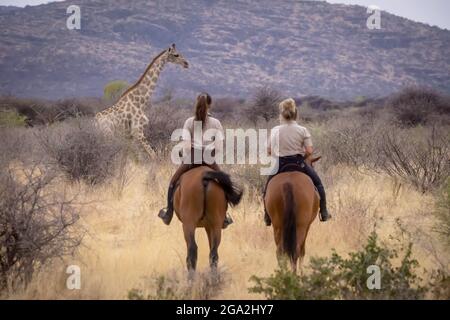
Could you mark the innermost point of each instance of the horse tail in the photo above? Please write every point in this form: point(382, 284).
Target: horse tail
point(289, 222)
point(205, 186)
point(233, 193)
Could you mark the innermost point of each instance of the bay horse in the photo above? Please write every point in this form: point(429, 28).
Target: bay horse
point(292, 203)
point(201, 201)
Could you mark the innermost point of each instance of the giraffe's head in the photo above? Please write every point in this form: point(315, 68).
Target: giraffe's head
point(175, 57)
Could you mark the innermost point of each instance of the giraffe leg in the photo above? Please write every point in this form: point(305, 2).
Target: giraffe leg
point(141, 138)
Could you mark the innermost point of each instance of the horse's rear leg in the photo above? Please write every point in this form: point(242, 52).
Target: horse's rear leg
point(279, 244)
point(302, 232)
point(282, 257)
point(189, 237)
point(214, 238)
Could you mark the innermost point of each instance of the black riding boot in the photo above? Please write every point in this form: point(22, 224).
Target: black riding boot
point(167, 215)
point(324, 215)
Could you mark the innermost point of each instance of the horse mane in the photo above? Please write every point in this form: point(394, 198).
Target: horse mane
point(143, 75)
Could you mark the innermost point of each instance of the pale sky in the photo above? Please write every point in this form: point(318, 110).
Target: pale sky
point(433, 12)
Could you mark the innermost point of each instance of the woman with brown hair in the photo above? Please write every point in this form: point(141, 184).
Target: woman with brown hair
point(195, 144)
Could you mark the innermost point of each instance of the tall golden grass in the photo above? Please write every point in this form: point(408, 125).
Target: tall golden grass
point(127, 244)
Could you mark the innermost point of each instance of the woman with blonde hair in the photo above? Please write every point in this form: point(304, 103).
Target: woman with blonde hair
point(292, 144)
point(194, 143)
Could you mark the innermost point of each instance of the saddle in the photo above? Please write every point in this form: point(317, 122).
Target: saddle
point(292, 167)
point(193, 166)
point(291, 164)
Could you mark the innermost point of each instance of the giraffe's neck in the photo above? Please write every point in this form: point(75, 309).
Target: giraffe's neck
point(143, 90)
point(152, 76)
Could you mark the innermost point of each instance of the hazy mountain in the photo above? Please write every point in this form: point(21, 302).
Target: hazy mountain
point(300, 47)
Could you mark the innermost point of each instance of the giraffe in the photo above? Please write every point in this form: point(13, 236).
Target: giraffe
point(128, 113)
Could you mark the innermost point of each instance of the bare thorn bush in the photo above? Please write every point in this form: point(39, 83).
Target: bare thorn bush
point(420, 157)
point(264, 104)
point(418, 105)
point(351, 143)
point(82, 151)
point(36, 225)
point(164, 119)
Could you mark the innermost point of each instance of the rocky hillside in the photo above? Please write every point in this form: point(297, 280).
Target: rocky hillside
point(300, 47)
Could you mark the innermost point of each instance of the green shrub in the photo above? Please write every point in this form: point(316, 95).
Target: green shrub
point(34, 112)
point(114, 89)
point(11, 118)
point(336, 277)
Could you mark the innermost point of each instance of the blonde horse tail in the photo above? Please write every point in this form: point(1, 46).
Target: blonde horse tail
point(289, 222)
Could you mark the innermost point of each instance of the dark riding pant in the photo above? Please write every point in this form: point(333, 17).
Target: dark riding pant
point(297, 163)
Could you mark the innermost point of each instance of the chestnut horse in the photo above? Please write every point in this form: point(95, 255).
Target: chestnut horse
point(201, 201)
point(292, 203)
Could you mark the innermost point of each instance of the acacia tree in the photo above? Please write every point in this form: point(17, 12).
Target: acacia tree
point(114, 89)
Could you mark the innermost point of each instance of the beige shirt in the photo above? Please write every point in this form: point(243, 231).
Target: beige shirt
point(289, 139)
point(197, 139)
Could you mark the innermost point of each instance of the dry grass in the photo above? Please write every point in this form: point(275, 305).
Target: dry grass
point(127, 243)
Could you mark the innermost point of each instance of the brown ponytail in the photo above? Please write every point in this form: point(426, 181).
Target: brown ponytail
point(201, 108)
